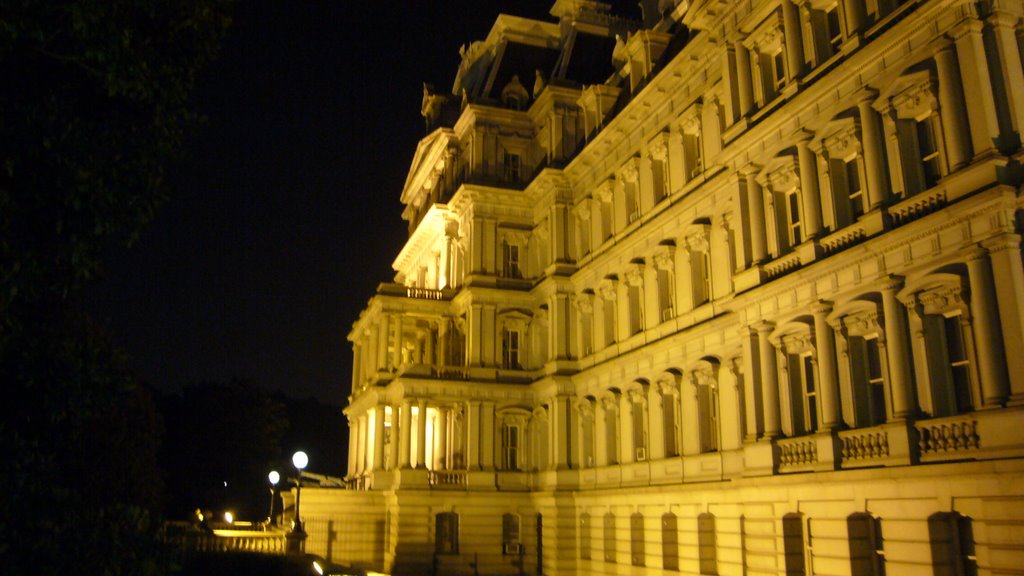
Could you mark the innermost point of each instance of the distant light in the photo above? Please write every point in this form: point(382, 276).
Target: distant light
point(225, 483)
point(274, 477)
point(300, 460)
point(229, 517)
point(319, 569)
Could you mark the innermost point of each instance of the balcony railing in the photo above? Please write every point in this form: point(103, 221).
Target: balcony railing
point(947, 435)
point(858, 446)
point(797, 453)
point(452, 479)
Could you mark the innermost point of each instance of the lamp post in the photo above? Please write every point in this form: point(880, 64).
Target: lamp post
point(274, 478)
point(296, 539)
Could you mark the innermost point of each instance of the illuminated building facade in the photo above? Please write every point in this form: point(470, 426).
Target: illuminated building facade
point(734, 290)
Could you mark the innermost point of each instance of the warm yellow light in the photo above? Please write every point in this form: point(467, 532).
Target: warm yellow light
point(229, 517)
point(319, 569)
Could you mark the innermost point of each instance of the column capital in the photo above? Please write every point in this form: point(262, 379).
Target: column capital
point(821, 308)
point(1002, 242)
point(965, 27)
point(763, 326)
point(892, 283)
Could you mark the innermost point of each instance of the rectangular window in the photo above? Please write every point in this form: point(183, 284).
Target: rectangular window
point(778, 71)
point(707, 400)
point(666, 294)
point(632, 206)
point(510, 545)
point(875, 382)
point(587, 438)
point(636, 323)
point(611, 436)
point(928, 148)
point(512, 166)
point(833, 30)
point(671, 424)
point(609, 322)
point(510, 261)
point(853, 188)
point(510, 447)
point(959, 363)
point(446, 528)
point(793, 218)
point(510, 349)
point(810, 393)
point(639, 432)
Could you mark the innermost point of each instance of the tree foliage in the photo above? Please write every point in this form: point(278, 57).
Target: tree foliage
point(93, 110)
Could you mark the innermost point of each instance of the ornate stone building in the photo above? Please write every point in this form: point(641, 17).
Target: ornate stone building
point(734, 290)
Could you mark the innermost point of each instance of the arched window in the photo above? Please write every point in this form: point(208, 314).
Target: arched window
point(585, 536)
point(670, 542)
point(510, 534)
point(707, 545)
point(609, 537)
point(952, 544)
point(793, 543)
point(446, 533)
point(867, 557)
point(636, 539)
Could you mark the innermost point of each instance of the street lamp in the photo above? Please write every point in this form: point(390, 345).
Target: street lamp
point(274, 478)
point(299, 460)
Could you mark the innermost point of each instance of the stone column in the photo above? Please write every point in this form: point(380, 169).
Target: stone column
point(353, 439)
point(896, 349)
point(441, 436)
point(487, 435)
point(974, 74)
point(809, 193)
point(751, 376)
point(794, 39)
point(985, 324)
point(1008, 56)
point(769, 380)
point(421, 434)
point(853, 10)
point(655, 423)
point(378, 437)
point(361, 457)
point(405, 434)
point(472, 435)
point(600, 434)
point(951, 109)
point(874, 152)
point(626, 445)
point(828, 382)
point(1004, 251)
point(558, 429)
point(757, 222)
point(743, 80)
point(394, 445)
point(396, 359)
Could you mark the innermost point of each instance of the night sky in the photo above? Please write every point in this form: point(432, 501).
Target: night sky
point(286, 213)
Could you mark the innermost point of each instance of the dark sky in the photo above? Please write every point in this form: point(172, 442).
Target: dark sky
point(286, 214)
